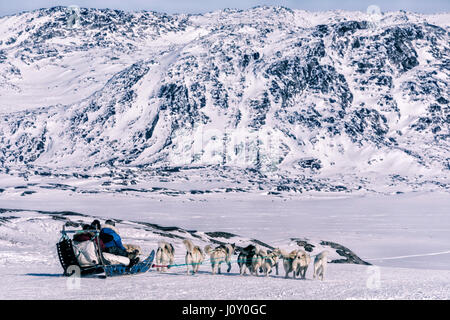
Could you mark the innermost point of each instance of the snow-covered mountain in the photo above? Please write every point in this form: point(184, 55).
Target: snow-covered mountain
point(266, 94)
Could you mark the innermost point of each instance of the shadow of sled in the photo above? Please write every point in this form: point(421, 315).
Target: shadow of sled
point(54, 275)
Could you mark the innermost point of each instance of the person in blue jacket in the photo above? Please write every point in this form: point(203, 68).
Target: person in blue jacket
point(113, 242)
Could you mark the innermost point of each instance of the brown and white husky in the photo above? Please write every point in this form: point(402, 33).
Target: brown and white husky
point(270, 261)
point(296, 261)
point(219, 255)
point(194, 256)
point(255, 259)
point(165, 256)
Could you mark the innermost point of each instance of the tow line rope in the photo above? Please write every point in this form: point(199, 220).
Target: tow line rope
point(199, 263)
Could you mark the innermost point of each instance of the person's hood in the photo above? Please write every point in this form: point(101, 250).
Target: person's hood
point(108, 226)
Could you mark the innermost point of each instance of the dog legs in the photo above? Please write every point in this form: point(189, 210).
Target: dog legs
point(243, 269)
point(186, 260)
point(322, 271)
point(229, 266)
point(187, 268)
point(196, 267)
point(267, 270)
point(216, 266)
point(287, 269)
point(318, 271)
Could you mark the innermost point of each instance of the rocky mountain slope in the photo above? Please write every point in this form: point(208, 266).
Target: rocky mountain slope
point(264, 94)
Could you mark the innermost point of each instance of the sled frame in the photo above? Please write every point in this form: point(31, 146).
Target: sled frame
point(67, 256)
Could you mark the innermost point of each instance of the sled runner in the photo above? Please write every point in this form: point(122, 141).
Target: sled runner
point(87, 257)
point(120, 269)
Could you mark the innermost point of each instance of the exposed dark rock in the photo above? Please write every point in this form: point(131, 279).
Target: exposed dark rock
point(349, 256)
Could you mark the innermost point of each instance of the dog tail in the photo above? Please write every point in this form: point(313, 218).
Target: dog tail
point(276, 252)
point(170, 248)
point(322, 255)
point(208, 249)
point(161, 245)
point(230, 249)
point(189, 245)
point(260, 252)
point(167, 246)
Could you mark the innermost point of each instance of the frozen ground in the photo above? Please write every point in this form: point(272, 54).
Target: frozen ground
point(405, 236)
point(344, 282)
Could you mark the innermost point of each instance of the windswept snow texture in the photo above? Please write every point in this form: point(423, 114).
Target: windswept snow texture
point(404, 237)
point(335, 96)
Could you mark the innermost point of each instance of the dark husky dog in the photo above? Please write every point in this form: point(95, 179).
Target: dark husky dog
point(257, 260)
point(245, 259)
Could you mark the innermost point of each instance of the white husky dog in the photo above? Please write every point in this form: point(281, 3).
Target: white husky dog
point(164, 256)
point(219, 255)
point(302, 263)
point(194, 256)
point(296, 261)
point(320, 264)
point(258, 261)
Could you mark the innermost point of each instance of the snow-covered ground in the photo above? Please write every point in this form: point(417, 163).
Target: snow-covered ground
point(343, 282)
point(409, 231)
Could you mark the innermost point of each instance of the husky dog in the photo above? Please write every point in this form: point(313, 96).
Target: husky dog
point(194, 256)
point(132, 248)
point(219, 255)
point(302, 264)
point(296, 262)
point(320, 265)
point(164, 256)
point(257, 261)
point(245, 259)
point(288, 259)
point(270, 261)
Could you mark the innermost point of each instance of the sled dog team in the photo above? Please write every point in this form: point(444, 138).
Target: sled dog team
point(251, 258)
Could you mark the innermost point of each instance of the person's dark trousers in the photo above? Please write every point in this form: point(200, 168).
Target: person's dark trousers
point(120, 252)
point(117, 251)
